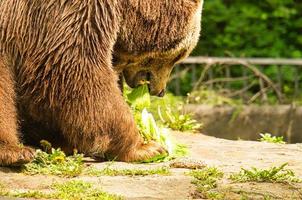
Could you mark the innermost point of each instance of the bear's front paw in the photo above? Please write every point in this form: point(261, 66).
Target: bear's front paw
point(13, 155)
point(145, 152)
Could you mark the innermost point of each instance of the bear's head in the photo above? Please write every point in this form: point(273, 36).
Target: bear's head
point(154, 35)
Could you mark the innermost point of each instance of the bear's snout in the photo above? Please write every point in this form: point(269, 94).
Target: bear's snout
point(156, 83)
point(162, 93)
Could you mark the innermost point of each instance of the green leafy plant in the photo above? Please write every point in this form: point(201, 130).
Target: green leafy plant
point(177, 121)
point(166, 111)
point(273, 174)
point(169, 111)
point(55, 163)
point(267, 137)
point(139, 100)
point(206, 181)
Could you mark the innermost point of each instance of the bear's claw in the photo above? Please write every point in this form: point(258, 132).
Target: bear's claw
point(13, 155)
point(145, 152)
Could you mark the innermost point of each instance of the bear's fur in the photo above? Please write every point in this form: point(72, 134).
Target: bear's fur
point(57, 81)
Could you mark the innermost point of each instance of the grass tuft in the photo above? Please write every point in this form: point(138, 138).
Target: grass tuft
point(206, 182)
point(77, 189)
point(55, 163)
point(178, 121)
point(273, 174)
point(70, 190)
point(267, 137)
point(91, 171)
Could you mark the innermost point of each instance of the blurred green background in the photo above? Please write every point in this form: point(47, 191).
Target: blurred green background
point(254, 28)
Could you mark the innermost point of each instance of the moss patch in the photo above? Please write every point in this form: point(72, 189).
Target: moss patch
point(91, 171)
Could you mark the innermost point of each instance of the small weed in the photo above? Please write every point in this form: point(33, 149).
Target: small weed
point(55, 163)
point(206, 182)
point(76, 189)
point(91, 171)
point(177, 121)
point(169, 112)
point(71, 190)
point(273, 174)
point(267, 137)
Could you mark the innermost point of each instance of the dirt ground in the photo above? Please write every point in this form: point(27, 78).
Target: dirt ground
point(229, 156)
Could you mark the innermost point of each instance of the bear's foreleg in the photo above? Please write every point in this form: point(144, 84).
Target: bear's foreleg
point(11, 151)
point(97, 120)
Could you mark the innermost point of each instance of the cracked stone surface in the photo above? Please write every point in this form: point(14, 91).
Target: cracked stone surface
point(229, 156)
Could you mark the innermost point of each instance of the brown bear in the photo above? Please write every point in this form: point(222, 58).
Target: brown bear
point(59, 66)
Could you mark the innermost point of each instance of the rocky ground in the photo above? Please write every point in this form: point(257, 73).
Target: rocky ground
point(228, 156)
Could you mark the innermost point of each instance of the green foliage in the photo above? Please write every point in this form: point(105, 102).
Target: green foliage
point(273, 174)
point(108, 171)
point(70, 190)
point(55, 163)
point(166, 111)
point(206, 182)
point(169, 111)
point(268, 28)
point(267, 137)
point(139, 98)
point(177, 121)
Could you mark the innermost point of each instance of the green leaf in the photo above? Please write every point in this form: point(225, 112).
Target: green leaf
point(139, 98)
